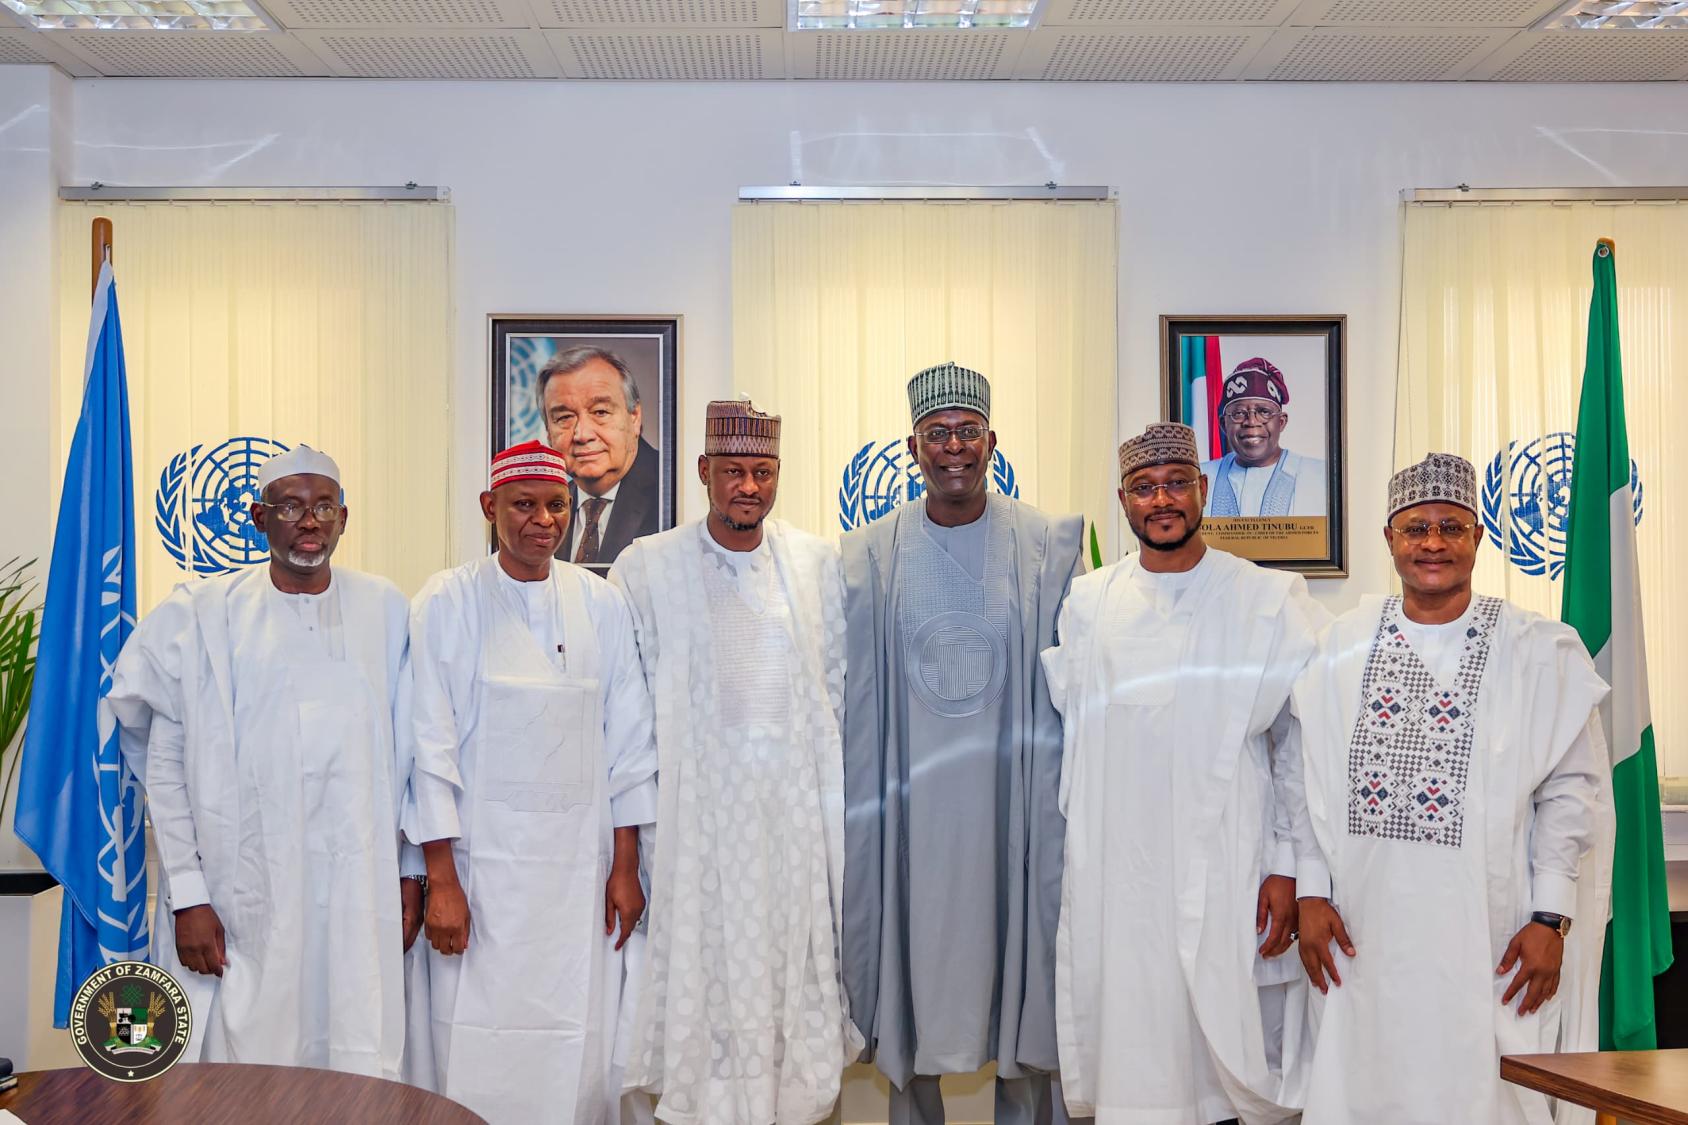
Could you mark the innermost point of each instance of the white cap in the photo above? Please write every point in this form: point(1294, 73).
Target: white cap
point(299, 460)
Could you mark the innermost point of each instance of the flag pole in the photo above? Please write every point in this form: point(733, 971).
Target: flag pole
point(102, 249)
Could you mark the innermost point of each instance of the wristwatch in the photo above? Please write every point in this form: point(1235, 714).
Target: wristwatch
point(1558, 923)
point(422, 879)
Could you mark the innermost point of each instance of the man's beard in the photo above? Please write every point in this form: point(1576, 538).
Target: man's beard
point(310, 560)
point(1190, 530)
point(734, 525)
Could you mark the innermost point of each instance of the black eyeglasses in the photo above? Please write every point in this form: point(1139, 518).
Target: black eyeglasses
point(1177, 489)
point(291, 511)
point(939, 435)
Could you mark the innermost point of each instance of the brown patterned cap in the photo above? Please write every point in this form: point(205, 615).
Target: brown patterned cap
point(735, 428)
point(1162, 443)
point(1441, 478)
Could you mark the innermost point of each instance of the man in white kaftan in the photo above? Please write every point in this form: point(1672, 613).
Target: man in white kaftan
point(259, 709)
point(534, 769)
point(1181, 784)
point(740, 618)
point(1455, 778)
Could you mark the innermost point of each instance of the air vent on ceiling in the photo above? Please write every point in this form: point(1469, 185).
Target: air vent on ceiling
point(1193, 56)
point(911, 56)
point(1167, 11)
point(700, 56)
point(295, 14)
point(660, 13)
point(374, 54)
point(183, 54)
point(1356, 56)
point(1617, 56)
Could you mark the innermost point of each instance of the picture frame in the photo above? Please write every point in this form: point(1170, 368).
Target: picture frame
point(620, 451)
point(1276, 463)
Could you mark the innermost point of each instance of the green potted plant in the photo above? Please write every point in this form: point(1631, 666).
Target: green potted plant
point(20, 615)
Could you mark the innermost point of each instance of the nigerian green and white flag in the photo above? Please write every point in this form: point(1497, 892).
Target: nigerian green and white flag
point(1603, 604)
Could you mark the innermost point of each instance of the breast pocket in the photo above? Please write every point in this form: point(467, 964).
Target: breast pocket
point(1142, 671)
point(537, 745)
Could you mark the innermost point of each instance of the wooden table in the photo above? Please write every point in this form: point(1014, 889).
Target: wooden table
point(252, 1095)
point(1643, 1087)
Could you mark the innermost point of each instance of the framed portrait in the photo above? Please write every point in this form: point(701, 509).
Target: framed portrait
point(603, 392)
point(1265, 397)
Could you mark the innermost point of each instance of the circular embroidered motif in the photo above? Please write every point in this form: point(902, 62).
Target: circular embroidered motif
point(957, 664)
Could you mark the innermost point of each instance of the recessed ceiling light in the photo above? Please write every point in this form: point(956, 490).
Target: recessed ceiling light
point(881, 15)
point(1619, 15)
point(142, 15)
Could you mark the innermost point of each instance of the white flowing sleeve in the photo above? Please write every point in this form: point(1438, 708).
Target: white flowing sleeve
point(146, 699)
point(629, 729)
point(1295, 848)
point(1564, 824)
point(442, 668)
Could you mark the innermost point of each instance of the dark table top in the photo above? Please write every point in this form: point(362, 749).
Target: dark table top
point(1643, 1087)
point(236, 1092)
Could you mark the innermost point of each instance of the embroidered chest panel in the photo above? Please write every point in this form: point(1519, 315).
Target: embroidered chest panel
point(954, 630)
point(1410, 754)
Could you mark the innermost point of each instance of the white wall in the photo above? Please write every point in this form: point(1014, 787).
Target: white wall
point(605, 197)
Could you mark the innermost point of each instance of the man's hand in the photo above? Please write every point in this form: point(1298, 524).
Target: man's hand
point(1277, 906)
point(410, 910)
point(624, 898)
point(446, 919)
point(1538, 951)
point(199, 940)
point(1320, 925)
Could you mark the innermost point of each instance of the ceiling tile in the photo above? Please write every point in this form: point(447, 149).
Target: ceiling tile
point(1421, 13)
point(1326, 54)
point(434, 54)
point(192, 54)
point(1118, 13)
point(36, 47)
point(413, 15)
point(1588, 56)
point(659, 13)
point(1183, 54)
point(677, 56)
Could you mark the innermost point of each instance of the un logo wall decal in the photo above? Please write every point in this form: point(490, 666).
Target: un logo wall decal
point(883, 475)
point(203, 506)
point(1533, 501)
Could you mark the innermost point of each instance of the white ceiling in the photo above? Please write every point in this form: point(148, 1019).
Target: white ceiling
point(706, 40)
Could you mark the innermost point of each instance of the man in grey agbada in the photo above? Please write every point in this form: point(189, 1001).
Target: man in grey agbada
point(952, 765)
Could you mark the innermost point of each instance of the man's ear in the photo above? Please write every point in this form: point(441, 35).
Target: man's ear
point(487, 505)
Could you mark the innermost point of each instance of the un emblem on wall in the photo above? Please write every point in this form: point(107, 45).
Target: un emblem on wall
point(524, 422)
point(883, 475)
point(1534, 502)
point(203, 507)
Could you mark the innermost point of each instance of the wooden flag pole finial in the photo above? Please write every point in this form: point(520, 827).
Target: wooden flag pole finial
point(101, 248)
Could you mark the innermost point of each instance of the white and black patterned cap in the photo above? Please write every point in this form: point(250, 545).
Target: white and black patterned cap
point(948, 386)
point(1441, 478)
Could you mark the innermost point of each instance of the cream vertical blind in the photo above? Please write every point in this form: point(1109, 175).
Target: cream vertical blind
point(327, 323)
point(1494, 317)
point(836, 305)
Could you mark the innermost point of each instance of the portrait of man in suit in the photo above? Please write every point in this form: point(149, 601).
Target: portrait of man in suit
point(593, 416)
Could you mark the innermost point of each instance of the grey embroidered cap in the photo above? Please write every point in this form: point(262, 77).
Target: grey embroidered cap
point(1441, 478)
point(948, 386)
point(1162, 443)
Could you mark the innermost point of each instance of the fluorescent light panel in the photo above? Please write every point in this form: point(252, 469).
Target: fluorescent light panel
point(879, 15)
point(1620, 15)
point(142, 15)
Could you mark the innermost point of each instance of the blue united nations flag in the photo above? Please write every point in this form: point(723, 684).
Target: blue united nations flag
point(79, 806)
point(883, 475)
